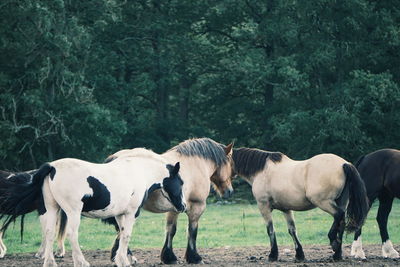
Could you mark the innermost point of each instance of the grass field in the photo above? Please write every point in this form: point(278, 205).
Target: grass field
point(220, 226)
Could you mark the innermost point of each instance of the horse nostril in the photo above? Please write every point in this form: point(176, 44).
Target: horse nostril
point(228, 193)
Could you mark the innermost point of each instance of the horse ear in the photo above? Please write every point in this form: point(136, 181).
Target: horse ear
point(229, 149)
point(176, 169)
point(110, 158)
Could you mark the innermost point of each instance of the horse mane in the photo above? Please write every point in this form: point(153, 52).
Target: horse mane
point(205, 148)
point(249, 161)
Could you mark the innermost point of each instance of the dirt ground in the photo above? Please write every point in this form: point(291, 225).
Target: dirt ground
point(228, 256)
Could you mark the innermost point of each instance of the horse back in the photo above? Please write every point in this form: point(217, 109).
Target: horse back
point(380, 171)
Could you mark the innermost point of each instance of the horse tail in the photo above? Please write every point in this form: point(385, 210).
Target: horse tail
point(18, 199)
point(62, 224)
point(359, 160)
point(358, 207)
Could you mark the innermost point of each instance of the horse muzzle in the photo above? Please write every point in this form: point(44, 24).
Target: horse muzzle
point(182, 208)
point(227, 193)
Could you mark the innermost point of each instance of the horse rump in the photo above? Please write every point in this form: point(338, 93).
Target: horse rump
point(358, 206)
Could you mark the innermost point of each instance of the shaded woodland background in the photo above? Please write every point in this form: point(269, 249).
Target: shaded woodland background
point(86, 78)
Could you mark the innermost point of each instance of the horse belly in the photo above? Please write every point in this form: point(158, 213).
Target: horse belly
point(286, 201)
point(121, 206)
point(157, 203)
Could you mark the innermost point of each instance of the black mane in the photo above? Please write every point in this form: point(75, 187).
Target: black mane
point(249, 161)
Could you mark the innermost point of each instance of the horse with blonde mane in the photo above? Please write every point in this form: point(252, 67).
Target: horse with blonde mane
point(203, 162)
point(326, 181)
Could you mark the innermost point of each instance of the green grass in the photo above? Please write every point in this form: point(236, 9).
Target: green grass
point(220, 225)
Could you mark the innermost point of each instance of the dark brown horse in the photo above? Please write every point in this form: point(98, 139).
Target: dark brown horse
point(6, 178)
point(380, 171)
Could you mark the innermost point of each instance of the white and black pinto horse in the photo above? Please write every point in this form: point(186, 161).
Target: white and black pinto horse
point(380, 171)
point(325, 181)
point(203, 162)
point(116, 189)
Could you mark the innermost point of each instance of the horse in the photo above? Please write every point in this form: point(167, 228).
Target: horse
point(380, 171)
point(326, 181)
point(203, 162)
point(19, 178)
point(115, 189)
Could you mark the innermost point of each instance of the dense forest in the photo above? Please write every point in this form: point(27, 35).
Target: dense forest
point(86, 78)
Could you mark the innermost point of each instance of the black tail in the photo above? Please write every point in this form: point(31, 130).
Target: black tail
point(358, 207)
point(62, 224)
point(17, 199)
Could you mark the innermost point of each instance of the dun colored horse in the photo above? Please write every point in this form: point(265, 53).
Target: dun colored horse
point(380, 171)
point(325, 181)
point(203, 162)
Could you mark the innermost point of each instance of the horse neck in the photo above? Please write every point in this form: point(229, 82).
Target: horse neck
point(154, 180)
point(248, 179)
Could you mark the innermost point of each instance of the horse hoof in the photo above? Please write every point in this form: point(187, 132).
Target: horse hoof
point(335, 245)
point(194, 259)
point(39, 255)
point(337, 257)
point(132, 259)
point(388, 251)
point(300, 258)
point(168, 257)
point(50, 263)
point(272, 258)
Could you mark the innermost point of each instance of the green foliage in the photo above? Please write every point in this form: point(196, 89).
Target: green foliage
point(86, 78)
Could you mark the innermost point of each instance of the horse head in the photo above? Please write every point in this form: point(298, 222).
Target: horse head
point(172, 186)
point(222, 177)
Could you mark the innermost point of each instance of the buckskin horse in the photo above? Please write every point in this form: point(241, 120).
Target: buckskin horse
point(203, 162)
point(325, 181)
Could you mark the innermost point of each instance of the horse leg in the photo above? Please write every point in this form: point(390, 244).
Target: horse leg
point(292, 231)
point(341, 227)
point(266, 212)
point(385, 206)
point(49, 232)
point(356, 247)
point(48, 222)
point(125, 223)
point(74, 219)
point(338, 221)
point(3, 248)
point(167, 253)
point(196, 210)
point(40, 253)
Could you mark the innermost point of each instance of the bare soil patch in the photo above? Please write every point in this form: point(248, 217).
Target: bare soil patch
point(227, 256)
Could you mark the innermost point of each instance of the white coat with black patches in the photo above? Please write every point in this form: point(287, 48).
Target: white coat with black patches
point(116, 189)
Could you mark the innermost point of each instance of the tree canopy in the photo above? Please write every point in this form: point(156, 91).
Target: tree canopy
point(84, 79)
